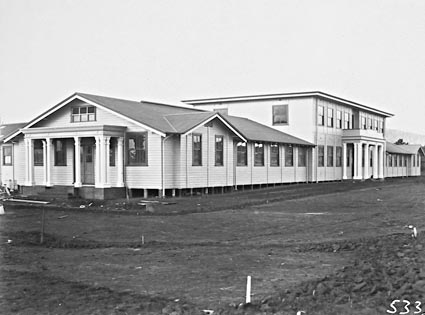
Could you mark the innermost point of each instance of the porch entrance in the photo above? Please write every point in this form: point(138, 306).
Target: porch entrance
point(87, 161)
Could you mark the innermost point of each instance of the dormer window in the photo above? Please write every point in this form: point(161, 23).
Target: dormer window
point(83, 113)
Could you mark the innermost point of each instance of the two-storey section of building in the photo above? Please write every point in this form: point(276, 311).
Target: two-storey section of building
point(349, 137)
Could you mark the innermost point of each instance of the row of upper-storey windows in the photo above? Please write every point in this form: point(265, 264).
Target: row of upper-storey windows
point(342, 120)
point(337, 119)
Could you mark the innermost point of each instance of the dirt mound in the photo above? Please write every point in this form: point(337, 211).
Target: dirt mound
point(386, 269)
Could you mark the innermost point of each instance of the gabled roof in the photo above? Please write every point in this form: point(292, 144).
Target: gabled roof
point(403, 148)
point(169, 119)
point(8, 129)
point(255, 131)
point(318, 94)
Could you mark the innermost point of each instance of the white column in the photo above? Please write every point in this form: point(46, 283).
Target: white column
point(375, 163)
point(106, 159)
point(44, 162)
point(366, 161)
point(27, 162)
point(381, 161)
point(97, 169)
point(77, 159)
point(344, 160)
point(358, 154)
point(120, 161)
point(48, 160)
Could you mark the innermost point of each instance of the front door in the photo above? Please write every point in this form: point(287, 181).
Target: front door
point(87, 161)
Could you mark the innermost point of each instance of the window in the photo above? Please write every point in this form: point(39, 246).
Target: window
point(381, 126)
point(280, 114)
point(321, 156)
point(418, 160)
point(258, 154)
point(330, 156)
point(137, 149)
point(321, 116)
point(274, 154)
point(38, 153)
point(339, 119)
point(364, 123)
point(112, 150)
point(83, 113)
point(196, 150)
point(219, 150)
point(302, 157)
point(60, 152)
point(7, 155)
point(330, 117)
point(346, 121)
point(242, 154)
point(289, 156)
point(375, 123)
point(338, 161)
point(396, 160)
point(349, 153)
point(370, 156)
point(390, 160)
point(369, 122)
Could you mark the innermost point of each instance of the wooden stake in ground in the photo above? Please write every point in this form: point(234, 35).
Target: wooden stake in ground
point(248, 290)
point(42, 226)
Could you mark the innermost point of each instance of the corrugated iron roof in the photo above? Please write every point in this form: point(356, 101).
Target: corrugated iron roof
point(403, 148)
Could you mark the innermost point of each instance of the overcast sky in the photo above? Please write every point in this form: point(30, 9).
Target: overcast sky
point(371, 52)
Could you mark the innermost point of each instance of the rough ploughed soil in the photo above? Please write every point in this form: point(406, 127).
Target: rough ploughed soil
point(336, 253)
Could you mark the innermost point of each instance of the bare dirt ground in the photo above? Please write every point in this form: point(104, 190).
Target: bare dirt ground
point(330, 248)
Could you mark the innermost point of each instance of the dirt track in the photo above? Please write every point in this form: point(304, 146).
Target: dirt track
point(345, 242)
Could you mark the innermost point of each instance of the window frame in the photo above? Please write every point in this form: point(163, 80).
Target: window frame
point(8, 147)
point(60, 157)
point(346, 120)
point(241, 155)
point(320, 115)
point(196, 149)
point(83, 111)
point(338, 156)
point(143, 152)
point(302, 157)
point(274, 155)
point(289, 156)
point(330, 117)
point(219, 151)
point(338, 119)
point(321, 156)
point(258, 154)
point(330, 156)
point(282, 122)
point(112, 151)
point(38, 151)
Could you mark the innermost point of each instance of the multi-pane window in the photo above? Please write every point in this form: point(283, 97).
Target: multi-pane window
point(330, 117)
point(369, 122)
point(330, 156)
point(219, 150)
point(242, 154)
point(258, 154)
point(83, 113)
point(196, 149)
point(112, 150)
point(389, 160)
point(346, 120)
point(338, 157)
point(302, 156)
point(321, 155)
point(289, 156)
point(137, 149)
point(381, 126)
point(280, 114)
point(320, 115)
point(38, 153)
point(375, 124)
point(364, 123)
point(7, 155)
point(339, 119)
point(274, 154)
point(396, 160)
point(60, 152)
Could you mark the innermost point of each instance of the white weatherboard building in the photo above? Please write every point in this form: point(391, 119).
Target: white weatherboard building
point(349, 137)
point(102, 148)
